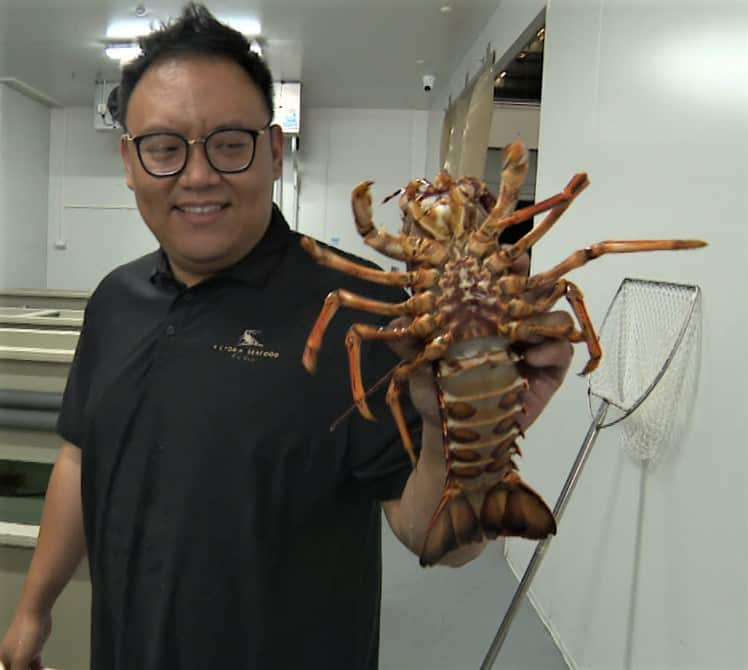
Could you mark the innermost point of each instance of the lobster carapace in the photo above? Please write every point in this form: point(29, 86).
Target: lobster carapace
point(471, 312)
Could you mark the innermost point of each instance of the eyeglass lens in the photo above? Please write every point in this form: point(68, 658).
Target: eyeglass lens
point(227, 151)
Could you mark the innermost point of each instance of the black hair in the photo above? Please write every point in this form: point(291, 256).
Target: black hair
point(195, 32)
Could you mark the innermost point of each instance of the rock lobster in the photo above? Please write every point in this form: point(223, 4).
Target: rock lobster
point(469, 310)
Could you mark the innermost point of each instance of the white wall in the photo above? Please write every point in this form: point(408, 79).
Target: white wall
point(650, 99)
point(24, 174)
point(91, 210)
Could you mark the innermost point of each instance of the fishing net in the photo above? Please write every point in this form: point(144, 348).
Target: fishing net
point(651, 342)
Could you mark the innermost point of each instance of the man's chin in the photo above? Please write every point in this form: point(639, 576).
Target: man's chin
point(198, 266)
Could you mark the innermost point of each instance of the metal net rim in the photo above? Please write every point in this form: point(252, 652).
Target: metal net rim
point(695, 294)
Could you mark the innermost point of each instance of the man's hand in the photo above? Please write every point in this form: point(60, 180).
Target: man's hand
point(544, 366)
point(21, 648)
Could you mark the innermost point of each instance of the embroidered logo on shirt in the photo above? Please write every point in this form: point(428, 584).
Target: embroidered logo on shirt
point(248, 348)
point(248, 339)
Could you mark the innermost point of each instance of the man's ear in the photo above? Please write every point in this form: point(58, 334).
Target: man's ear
point(276, 146)
point(124, 151)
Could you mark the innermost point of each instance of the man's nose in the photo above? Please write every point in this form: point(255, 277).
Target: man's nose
point(198, 170)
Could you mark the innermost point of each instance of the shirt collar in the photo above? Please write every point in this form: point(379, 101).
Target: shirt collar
point(255, 268)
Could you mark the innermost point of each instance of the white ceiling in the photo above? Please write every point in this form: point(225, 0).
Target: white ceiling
point(346, 53)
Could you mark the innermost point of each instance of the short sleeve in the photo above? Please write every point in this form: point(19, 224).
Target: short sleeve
point(72, 422)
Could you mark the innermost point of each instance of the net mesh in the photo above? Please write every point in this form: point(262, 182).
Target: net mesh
point(651, 341)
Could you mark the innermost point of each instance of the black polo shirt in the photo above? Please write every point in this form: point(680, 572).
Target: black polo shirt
point(227, 526)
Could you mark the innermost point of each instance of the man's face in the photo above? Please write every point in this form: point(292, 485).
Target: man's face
point(192, 97)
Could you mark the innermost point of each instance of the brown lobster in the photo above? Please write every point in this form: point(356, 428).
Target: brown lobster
point(468, 310)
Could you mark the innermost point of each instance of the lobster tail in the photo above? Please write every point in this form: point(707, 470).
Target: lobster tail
point(454, 524)
point(510, 508)
point(513, 509)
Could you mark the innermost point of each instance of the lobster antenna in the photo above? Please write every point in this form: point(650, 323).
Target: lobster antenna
point(371, 390)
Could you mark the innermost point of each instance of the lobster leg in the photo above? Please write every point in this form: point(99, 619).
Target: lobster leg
point(513, 175)
point(540, 325)
point(520, 307)
point(435, 350)
point(500, 260)
point(583, 256)
point(417, 305)
point(484, 239)
point(400, 247)
point(587, 333)
point(420, 327)
point(422, 278)
point(516, 284)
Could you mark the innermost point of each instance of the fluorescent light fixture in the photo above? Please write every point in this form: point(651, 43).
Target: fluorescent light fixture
point(256, 48)
point(245, 26)
point(124, 53)
point(129, 29)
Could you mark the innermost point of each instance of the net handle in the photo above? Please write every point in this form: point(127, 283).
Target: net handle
point(695, 297)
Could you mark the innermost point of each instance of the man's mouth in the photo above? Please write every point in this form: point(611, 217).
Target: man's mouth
point(201, 209)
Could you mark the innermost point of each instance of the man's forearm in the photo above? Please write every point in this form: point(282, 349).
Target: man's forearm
point(61, 543)
point(409, 516)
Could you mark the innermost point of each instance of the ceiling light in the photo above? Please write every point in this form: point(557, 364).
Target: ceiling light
point(420, 61)
point(256, 48)
point(444, 9)
point(129, 29)
point(123, 53)
point(245, 26)
point(502, 75)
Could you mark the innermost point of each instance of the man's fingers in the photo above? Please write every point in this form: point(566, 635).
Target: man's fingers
point(549, 353)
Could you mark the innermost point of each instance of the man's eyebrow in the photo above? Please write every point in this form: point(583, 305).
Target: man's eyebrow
point(232, 123)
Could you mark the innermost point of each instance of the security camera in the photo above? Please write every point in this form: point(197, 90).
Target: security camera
point(428, 82)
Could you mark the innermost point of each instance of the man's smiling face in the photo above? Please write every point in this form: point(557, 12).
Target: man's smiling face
point(204, 220)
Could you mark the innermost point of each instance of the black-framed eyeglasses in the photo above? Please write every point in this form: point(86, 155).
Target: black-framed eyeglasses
point(228, 150)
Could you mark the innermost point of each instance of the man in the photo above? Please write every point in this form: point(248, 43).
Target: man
point(224, 524)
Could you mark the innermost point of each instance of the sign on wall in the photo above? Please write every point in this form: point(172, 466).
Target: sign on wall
point(287, 102)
